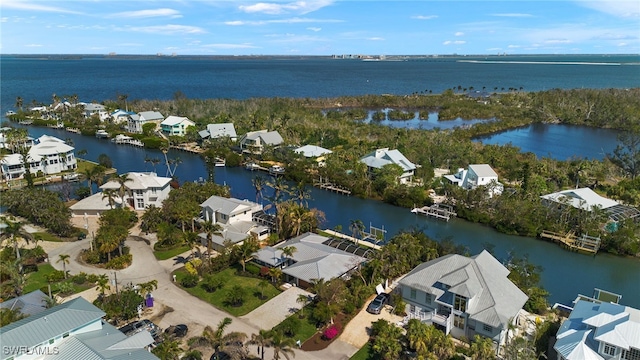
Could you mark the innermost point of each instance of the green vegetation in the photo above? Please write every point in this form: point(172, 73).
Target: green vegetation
point(46, 275)
point(365, 353)
point(299, 326)
point(168, 254)
point(41, 207)
point(110, 238)
point(219, 298)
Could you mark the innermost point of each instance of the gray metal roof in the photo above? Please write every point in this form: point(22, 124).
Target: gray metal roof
point(483, 170)
point(220, 130)
point(150, 116)
point(50, 323)
point(267, 137)
point(382, 157)
point(325, 267)
point(495, 299)
point(28, 304)
point(229, 206)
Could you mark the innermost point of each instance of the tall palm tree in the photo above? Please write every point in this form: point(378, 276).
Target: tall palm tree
point(210, 229)
point(275, 274)
point(122, 181)
point(261, 339)
point(64, 259)
point(258, 183)
point(231, 343)
point(282, 344)
point(14, 232)
point(303, 299)
point(302, 193)
point(102, 284)
point(109, 194)
point(246, 251)
point(88, 174)
point(148, 287)
point(288, 252)
point(357, 228)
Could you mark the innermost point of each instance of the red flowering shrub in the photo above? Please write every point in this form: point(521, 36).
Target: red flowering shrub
point(331, 332)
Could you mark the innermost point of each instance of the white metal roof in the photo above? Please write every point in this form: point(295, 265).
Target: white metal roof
point(483, 170)
point(175, 120)
point(583, 198)
point(311, 151)
point(382, 157)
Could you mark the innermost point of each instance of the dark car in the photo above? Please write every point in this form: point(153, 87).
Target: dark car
point(377, 304)
point(177, 331)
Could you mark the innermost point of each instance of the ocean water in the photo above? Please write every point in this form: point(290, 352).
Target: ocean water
point(97, 78)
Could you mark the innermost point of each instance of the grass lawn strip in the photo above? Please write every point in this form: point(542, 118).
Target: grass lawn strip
point(218, 297)
point(307, 325)
point(38, 280)
point(168, 254)
point(363, 354)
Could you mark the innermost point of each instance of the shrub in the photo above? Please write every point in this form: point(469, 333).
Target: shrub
point(331, 332)
point(80, 278)
point(290, 326)
point(92, 278)
point(119, 262)
point(55, 276)
point(190, 280)
point(253, 269)
point(211, 283)
point(91, 257)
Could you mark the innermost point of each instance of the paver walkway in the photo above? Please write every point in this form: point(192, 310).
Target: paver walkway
point(274, 311)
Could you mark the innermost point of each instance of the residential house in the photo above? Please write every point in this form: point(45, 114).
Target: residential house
point(314, 258)
point(598, 331)
point(463, 296)
point(588, 200)
point(135, 122)
point(237, 219)
point(142, 189)
point(382, 157)
point(49, 155)
point(176, 125)
point(216, 131)
point(477, 175)
point(254, 142)
point(313, 152)
point(72, 330)
point(29, 141)
point(91, 109)
point(27, 304)
point(121, 116)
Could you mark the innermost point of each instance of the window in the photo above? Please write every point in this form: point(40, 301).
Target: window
point(140, 204)
point(65, 335)
point(51, 341)
point(631, 354)
point(139, 192)
point(487, 328)
point(412, 295)
point(609, 350)
point(427, 298)
point(458, 321)
point(460, 303)
point(412, 309)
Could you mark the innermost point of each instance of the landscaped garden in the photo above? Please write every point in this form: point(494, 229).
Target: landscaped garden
point(228, 290)
point(46, 275)
point(170, 253)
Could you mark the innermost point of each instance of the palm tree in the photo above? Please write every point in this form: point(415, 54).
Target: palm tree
point(288, 252)
point(258, 183)
point(211, 229)
point(110, 194)
point(168, 349)
point(82, 152)
point(190, 238)
point(14, 231)
point(357, 228)
point(88, 174)
point(275, 274)
point(302, 193)
point(122, 181)
point(232, 343)
point(64, 259)
point(102, 284)
point(262, 339)
point(282, 344)
point(302, 299)
point(148, 287)
point(19, 102)
point(246, 251)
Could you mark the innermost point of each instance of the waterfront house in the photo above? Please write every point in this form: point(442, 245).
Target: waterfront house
point(315, 152)
point(236, 217)
point(29, 141)
point(588, 200)
point(176, 125)
point(599, 330)
point(72, 330)
point(142, 189)
point(121, 116)
point(91, 109)
point(382, 157)
point(314, 258)
point(463, 296)
point(48, 155)
point(135, 122)
point(254, 142)
point(217, 131)
point(477, 175)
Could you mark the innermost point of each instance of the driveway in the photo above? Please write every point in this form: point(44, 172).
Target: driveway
point(274, 311)
point(357, 330)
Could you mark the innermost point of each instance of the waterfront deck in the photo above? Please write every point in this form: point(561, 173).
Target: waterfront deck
point(191, 148)
point(332, 187)
point(584, 243)
point(438, 211)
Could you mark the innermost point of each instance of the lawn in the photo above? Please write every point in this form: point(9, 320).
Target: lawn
point(307, 326)
point(168, 254)
point(230, 277)
point(364, 353)
point(38, 280)
point(44, 236)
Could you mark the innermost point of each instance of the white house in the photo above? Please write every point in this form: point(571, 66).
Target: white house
point(135, 122)
point(463, 296)
point(143, 189)
point(599, 331)
point(71, 330)
point(477, 175)
point(382, 157)
point(91, 109)
point(49, 155)
point(236, 217)
point(176, 125)
point(254, 142)
point(216, 131)
point(588, 200)
point(121, 116)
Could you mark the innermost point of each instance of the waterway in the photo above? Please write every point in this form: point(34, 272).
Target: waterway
point(565, 274)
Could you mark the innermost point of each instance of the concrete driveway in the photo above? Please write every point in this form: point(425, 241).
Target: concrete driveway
point(357, 330)
point(274, 311)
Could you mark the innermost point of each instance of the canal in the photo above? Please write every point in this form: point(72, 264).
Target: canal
point(565, 274)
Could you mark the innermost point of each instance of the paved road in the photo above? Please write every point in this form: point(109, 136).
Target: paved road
point(187, 309)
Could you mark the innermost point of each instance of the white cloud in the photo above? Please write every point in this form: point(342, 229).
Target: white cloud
point(518, 15)
point(23, 5)
point(34, 45)
point(164, 12)
point(4, 19)
point(316, 29)
point(230, 46)
point(167, 29)
point(557, 41)
point(424, 17)
point(295, 20)
point(622, 44)
point(299, 7)
point(457, 42)
point(623, 9)
point(459, 33)
point(375, 38)
point(513, 46)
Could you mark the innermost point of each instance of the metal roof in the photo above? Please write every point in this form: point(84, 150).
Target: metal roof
point(28, 304)
point(382, 157)
point(483, 170)
point(312, 151)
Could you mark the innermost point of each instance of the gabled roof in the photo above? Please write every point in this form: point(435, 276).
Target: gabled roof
point(95, 202)
point(139, 181)
point(228, 206)
point(28, 304)
point(311, 151)
point(583, 198)
point(325, 267)
point(267, 137)
point(495, 299)
point(382, 157)
point(150, 116)
point(50, 323)
point(219, 130)
point(483, 170)
point(175, 120)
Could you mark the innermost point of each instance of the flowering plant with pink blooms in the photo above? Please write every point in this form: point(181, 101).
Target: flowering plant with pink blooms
point(331, 332)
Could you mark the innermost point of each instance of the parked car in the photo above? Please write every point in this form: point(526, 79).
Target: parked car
point(176, 331)
point(377, 304)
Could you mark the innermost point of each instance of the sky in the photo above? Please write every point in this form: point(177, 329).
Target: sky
point(319, 27)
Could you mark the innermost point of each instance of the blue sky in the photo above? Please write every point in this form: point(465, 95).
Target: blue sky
point(319, 27)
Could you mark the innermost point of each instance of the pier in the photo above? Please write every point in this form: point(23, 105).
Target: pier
point(331, 187)
point(73, 130)
point(187, 148)
point(584, 243)
point(438, 211)
point(127, 140)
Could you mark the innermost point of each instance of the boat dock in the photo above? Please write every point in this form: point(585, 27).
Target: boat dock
point(73, 130)
point(331, 187)
point(351, 238)
point(187, 148)
point(438, 211)
point(584, 243)
point(127, 140)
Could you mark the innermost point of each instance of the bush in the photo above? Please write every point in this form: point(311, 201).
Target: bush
point(55, 276)
point(331, 332)
point(91, 257)
point(119, 262)
point(79, 278)
point(190, 280)
point(253, 269)
point(211, 283)
point(290, 326)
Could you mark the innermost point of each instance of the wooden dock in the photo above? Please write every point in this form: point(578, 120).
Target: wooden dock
point(325, 185)
point(584, 243)
point(438, 211)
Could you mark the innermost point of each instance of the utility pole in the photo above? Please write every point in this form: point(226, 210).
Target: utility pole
point(115, 277)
